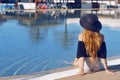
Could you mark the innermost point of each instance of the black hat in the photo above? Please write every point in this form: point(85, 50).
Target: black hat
point(91, 22)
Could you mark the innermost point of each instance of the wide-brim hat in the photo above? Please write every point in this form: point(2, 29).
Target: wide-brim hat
point(90, 22)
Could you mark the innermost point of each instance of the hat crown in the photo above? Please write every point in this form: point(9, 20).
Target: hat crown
point(91, 18)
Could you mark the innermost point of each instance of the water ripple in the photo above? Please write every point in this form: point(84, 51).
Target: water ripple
point(24, 65)
point(40, 58)
point(12, 65)
point(44, 61)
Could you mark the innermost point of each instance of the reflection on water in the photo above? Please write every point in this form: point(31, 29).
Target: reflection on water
point(35, 41)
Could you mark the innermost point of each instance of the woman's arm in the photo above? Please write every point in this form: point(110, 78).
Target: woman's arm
point(79, 62)
point(104, 61)
point(81, 65)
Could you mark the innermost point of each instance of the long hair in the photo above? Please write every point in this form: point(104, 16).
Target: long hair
point(93, 41)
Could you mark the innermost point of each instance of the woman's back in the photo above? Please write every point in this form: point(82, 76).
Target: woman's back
point(92, 41)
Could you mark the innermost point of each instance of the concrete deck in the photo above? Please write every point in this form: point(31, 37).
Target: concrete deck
point(101, 75)
point(71, 73)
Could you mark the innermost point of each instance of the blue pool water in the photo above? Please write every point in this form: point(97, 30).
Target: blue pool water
point(34, 41)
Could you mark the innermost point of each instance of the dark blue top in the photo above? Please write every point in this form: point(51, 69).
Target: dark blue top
point(81, 51)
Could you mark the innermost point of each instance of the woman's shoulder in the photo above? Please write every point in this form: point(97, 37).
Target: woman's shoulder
point(80, 37)
point(102, 37)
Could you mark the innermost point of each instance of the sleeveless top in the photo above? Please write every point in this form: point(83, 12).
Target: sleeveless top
point(81, 51)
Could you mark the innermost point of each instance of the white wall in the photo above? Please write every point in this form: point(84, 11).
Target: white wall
point(106, 2)
point(28, 5)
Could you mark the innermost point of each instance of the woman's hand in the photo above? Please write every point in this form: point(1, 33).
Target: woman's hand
point(81, 72)
point(106, 67)
point(109, 72)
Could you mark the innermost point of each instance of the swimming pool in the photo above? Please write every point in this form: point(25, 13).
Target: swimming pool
point(36, 41)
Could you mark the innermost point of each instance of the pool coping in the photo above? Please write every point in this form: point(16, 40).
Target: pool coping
point(39, 74)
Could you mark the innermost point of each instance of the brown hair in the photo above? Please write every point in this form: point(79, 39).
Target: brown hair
point(93, 41)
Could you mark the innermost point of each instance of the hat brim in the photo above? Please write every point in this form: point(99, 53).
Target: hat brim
point(95, 27)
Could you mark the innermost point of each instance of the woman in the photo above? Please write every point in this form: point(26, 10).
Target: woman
point(91, 46)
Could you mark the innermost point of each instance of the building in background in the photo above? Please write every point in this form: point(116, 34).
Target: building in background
point(65, 3)
point(100, 3)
